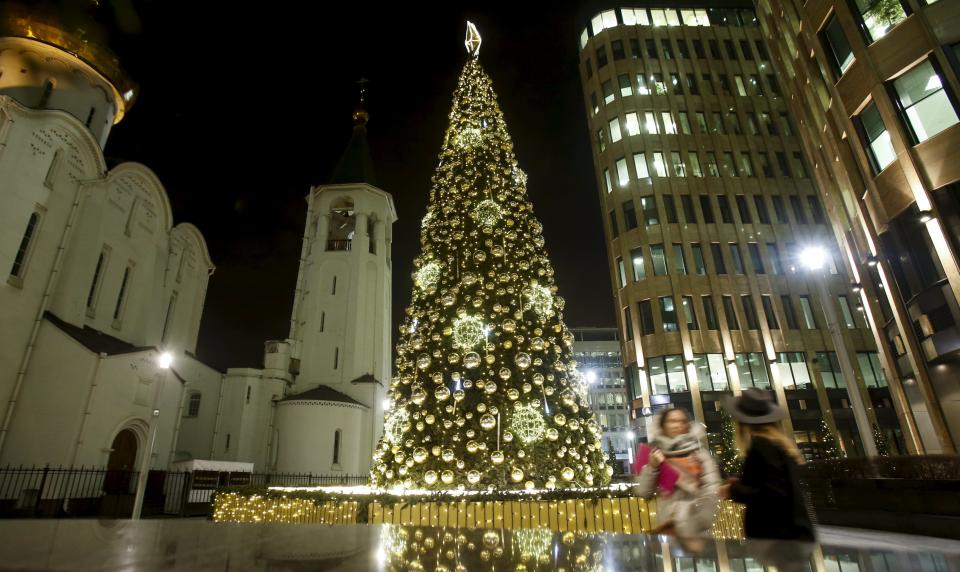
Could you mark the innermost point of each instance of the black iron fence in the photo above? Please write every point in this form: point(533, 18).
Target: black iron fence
point(925, 468)
point(33, 492)
point(917, 495)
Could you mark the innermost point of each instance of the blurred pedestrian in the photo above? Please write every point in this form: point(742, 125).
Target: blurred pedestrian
point(769, 487)
point(678, 468)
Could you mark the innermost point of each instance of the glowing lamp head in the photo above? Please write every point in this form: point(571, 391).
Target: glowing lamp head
point(631, 435)
point(591, 376)
point(165, 360)
point(813, 257)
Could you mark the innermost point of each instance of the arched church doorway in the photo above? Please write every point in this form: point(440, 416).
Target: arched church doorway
point(120, 464)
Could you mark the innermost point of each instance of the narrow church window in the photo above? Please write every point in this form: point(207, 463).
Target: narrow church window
point(133, 210)
point(323, 320)
point(45, 95)
point(336, 447)
point(336, 358)
point(95, 283)
point(183, 257)
point(193, 408)
point(166, 320)
point(373, 238)
point(52, 169)
point(227, 446)
point(248, 394)
point(90, 116)
point(17, 271)
point(121, 296)
point(333, 291)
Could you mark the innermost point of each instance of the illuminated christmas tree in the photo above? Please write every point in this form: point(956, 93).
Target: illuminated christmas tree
point(883, 449)
point(485, 392)
point(829, 447)
point(728, 456)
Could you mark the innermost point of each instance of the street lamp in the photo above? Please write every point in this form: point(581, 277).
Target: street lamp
point(631, 436)
point(591, 377)
point(814, 258)
point(164, 362)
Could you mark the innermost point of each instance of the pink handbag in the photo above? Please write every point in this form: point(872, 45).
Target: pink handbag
point(668, 477)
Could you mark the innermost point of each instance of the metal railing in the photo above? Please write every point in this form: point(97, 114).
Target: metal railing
point(344, 244)
point(927, 467)
point(862, 483)
point(62, 492)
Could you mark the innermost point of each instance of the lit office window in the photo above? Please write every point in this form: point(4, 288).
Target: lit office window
point(623, 176)
point(678, 167)
point(837, 46)
point(876, 138)
point(829, 367)
point(650, 122)
point(639, 270)
point(614, 126)
point(878, 17)
point(873, 375)
point(659, 165)
point(669, 126)
point(640, 164)
point(626, 88)
point(923, 103)
point(668, 314)
point(711, 372)
point(753, 370)
point(792, 367)
point(659, 260)
point(633, 124)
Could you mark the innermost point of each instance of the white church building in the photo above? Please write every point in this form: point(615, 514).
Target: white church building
point(101, 281)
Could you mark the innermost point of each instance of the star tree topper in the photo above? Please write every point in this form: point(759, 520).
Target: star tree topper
point(472, 42)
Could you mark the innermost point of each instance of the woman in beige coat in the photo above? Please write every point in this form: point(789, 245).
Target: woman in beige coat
point(689, 508)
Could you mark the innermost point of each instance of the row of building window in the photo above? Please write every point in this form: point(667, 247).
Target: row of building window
point(598, 360)
point(670, 316)
point(925, 105)
point(668, 374)
point(662, 164)
point(677, 49)
point(682, 84)
point(669, 17)
point(650, 122)
point(681, 267)
point(651, 212)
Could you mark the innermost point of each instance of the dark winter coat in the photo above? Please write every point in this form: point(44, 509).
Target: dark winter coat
point(770, 489)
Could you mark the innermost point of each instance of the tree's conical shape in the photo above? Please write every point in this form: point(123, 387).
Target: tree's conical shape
point(485, 392)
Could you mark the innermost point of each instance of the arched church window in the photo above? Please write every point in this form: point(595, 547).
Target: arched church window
point(343, 222)
point(333, 288)
point(336, 358)
point(248, 394)
point(336, 447)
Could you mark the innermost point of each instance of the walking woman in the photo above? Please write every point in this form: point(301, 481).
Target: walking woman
point(679, 469)
point(770, 483)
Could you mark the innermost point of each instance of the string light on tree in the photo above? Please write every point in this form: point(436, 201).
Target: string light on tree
point(484, 367)
point(428, 276)
point(468, 332)
point(527, 422)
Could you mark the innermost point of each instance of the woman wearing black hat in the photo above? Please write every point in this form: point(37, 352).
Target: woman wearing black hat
point(770, 484)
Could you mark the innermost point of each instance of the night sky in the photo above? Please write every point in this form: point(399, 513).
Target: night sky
point(243, 107)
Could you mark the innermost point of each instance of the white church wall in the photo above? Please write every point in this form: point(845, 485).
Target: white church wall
point(246, 417)
point(45, 426)
point(127, 218)
point(195, 437)
point(43, 155)
point(74, 402)
point(306, 437)
point(126, 396)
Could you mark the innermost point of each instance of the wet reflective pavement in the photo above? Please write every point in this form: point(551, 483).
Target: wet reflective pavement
point(204, 545)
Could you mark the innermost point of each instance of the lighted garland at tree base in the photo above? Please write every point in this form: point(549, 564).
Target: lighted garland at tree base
point(601, 509)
